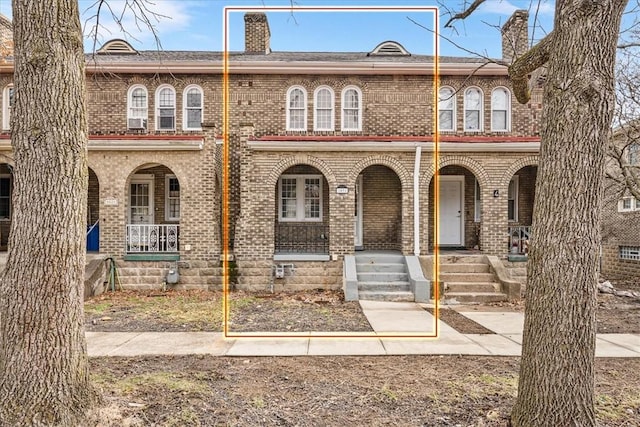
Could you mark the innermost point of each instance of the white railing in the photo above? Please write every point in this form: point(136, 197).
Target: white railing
point(152, 238)
point(519, 237)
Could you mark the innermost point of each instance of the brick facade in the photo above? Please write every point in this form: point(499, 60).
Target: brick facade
point(397, 115)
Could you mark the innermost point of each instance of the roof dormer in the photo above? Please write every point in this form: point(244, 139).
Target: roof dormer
point(389, 48)
point(116, 47)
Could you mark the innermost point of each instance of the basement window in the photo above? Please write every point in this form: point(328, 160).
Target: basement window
point(630, 253)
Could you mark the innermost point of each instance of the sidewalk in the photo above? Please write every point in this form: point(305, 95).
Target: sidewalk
point(386, 319)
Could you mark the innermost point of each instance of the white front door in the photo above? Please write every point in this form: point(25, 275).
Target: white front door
point(141, 199)
point(450, 210)
point(358, 213)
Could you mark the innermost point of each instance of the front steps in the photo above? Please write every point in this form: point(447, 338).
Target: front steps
point(383, 277)
point(468, 279)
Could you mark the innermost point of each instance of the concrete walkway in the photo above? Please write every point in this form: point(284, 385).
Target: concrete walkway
point(399, 328)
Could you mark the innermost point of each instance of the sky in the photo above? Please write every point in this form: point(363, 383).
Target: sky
point(198, 25)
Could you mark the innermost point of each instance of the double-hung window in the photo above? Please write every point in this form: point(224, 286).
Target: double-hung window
point(7, 106)
point(137, 108)
point(446, 109)
point(513, 199)
point(5, 196)
point(172, 198)
point(297, 108)
point(192, 108)
point(300, 198)
point(351, 109)
point(500, 109)
point(473, 110)
point(634, 154)
point(323, 118)
point(165, 108)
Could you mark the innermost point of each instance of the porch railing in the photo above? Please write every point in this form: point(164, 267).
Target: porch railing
point(152, 238)
point(301, 238)
point(519, 237)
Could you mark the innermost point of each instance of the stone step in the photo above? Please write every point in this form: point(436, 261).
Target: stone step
point(472, 287)
point(461, 259)
point(465, 277)
point(463, 268)
point(384, 286)
point(381, 267)
point(520, 271)
point(382, 277)
point(386, 296)
point(379, 258)
point(474, 297)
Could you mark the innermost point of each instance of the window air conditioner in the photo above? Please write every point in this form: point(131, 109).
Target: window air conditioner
point(137, 123)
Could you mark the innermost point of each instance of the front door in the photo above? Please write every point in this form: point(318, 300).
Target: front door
point(141, 199)
point(450, 210)
point(358, 213)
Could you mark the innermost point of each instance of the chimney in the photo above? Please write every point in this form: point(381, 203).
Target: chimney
point(515, 36)
point(256, 33)
point(6, 37)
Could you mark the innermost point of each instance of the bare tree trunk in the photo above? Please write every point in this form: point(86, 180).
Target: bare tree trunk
point(43, 357)
point(556, 385)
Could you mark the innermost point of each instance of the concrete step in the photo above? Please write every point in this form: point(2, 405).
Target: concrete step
point(471, 287)
point(384, 286)
point(379, 258)
point(380, 267)
point(382, 277)
point(386, 296)
point(519, 271)
point(475, 297)
point(465, 277)
point(461, 259)
point(463, 268)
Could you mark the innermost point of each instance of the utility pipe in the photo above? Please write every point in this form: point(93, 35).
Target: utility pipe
point(416, 202)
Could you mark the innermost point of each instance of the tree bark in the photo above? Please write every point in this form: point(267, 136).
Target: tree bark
point(43, 358)
point(556, 386)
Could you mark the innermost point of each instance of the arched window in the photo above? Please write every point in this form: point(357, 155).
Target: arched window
point(500, 109)
point(446, 109)
point(323, 118)
point(473, 109)
point(192, 102)
point(297, 108)
point(165, 108)
point(351, 109)
point(137, 107)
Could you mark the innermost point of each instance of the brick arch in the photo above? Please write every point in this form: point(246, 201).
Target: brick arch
point(177, 171)
point(290, 161)
point(7, 160)
point(388, 161)
point(515, 167)
point(341, 84)
point(473, 166)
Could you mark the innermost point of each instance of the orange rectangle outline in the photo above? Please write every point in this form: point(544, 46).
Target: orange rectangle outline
point(225, 173)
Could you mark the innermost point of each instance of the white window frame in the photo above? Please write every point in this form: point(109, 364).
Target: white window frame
point(515, 180)
point(159, 107)
point(10, 178)
point(477, 198)
point(300, 199)
point(132, 112)
point(168, 197)
point(634, 204)
point(143, 178)
point(343, 109)
point(186, 108)
point(316, 126)
point(480, 127)
point(303, 108)
point(449, 99)
point(507, 94)
point(634, 154)
point(631, 253)
point(7, 106)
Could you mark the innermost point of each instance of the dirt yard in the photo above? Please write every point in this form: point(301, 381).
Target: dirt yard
point(322, 391)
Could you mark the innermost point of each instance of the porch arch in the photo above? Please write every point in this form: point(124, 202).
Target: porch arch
point(473, 166)
point(290, 161)
point(515, 167)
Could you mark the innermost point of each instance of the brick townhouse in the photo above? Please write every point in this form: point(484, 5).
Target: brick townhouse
point(331, 154)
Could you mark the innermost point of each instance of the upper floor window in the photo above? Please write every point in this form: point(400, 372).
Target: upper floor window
point(628, 204)
point(473, 109)
point(351, 108)
point(323, 118)
point(192, 108)
point(137, 108)
point(165, 108)
point(500, 109)
point(634, 154)
point(7, 106)
point(446, 109)
point(296, 108)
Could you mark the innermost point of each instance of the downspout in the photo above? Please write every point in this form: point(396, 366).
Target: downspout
point(416, 202)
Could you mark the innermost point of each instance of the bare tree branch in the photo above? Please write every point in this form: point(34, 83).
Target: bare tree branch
point(533, 59)
point(462, 15)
